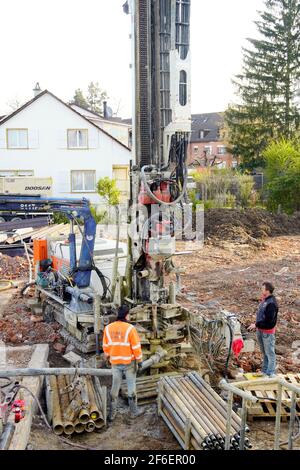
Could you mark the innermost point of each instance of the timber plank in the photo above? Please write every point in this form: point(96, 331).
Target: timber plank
point(34, 384)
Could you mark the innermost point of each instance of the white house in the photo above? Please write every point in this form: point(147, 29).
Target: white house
point(47, 138)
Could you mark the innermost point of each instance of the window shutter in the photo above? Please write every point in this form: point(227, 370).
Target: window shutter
point(2, 138)
point(93, 136)
point(62, 139)
point(33, 139)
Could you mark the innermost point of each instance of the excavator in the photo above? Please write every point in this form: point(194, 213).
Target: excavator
point(158, 192)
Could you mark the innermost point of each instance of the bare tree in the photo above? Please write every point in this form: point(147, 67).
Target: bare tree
point(14, 103)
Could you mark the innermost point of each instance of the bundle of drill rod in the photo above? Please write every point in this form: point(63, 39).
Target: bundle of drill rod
point(76, 405)
point(196, 414)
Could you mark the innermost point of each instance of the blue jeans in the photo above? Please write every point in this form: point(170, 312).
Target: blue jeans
point(267, 347)
point(130, 373)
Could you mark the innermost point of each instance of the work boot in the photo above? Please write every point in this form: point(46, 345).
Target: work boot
point(135, 411)
point(113, 409)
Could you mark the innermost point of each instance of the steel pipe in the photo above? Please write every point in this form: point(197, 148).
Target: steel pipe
point(278, 417)
point(57, 421)
point(197, 416)
point(55, 371)
point(64, 403)
point(155, 359)
point(292, 421)
point(90, 426)
point(219, 402)
point(236, 391)
point(6, 436)
point(79, 427)
point(94, 411)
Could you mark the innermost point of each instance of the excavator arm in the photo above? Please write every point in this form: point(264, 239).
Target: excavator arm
point(74, 210)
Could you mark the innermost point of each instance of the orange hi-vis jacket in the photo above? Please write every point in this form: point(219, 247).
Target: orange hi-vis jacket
point(121, 343)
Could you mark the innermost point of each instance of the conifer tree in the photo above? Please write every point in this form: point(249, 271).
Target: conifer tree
point(267, 86)
point(79, 99)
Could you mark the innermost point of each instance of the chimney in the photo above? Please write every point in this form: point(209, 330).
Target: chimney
point(37, 89)
point(105, 110)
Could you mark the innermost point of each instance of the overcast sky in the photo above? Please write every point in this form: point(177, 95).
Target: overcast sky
point(64, 44)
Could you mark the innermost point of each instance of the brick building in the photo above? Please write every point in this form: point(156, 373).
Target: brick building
point(207, 147)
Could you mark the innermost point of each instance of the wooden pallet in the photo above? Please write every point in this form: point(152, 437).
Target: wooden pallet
point(268, 393)
point(147, 387)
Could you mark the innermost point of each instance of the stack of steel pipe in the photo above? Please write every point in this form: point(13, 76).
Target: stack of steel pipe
point(146, 388)
point(76, 409)
point(196, 414)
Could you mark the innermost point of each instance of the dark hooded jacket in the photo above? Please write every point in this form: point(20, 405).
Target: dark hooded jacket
point(267, 315)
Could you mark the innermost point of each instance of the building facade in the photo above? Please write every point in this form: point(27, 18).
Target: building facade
point(207, 147)
point(47, 138)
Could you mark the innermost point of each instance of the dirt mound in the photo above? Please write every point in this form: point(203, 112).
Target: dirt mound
point(13, 268)
point(249, 225)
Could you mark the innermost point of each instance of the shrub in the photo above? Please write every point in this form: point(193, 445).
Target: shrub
point(225, 188)
point(283, 174)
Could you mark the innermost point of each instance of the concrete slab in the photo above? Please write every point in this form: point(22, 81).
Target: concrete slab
point(72, 358)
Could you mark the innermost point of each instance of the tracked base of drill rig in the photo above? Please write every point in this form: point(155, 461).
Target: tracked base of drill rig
point(159, 326)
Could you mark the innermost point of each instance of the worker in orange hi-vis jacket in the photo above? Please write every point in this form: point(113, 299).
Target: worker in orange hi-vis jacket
point(122, 346)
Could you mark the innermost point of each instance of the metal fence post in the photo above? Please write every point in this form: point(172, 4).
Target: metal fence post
point(229, 419)
point(278, 417)
point(292, 421)
point(243, 425)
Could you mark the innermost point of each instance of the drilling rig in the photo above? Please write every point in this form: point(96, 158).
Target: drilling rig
point(158, 199)
point(162, 127)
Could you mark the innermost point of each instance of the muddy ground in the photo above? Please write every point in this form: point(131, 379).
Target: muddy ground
point(227, 273)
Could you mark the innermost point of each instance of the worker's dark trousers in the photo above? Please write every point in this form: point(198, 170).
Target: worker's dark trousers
point(117, 374)
point(267, 347)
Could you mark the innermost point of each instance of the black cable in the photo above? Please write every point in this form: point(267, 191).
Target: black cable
point(9, 382)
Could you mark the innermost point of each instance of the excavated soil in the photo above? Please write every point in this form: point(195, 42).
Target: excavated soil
point(248, 226)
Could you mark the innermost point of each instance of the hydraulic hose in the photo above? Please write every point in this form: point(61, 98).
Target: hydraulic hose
point(5, 285)
point(152, 196)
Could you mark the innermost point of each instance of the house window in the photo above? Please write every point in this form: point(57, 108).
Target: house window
point(83, 181)
point(183, 88)
point(221, 150)
point(204, 133)
point(17, 138)
point(208, 150)
point(77, 138)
